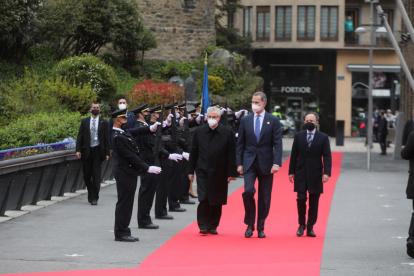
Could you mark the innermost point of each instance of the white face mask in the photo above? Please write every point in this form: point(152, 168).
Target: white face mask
point(122, 106)
point(256, 108)
point(212, 122)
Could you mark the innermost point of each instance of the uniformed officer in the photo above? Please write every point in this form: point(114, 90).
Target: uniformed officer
point(149, 182)
point(127, 168)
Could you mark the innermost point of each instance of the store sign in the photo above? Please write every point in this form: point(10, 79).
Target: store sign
point(292, 89)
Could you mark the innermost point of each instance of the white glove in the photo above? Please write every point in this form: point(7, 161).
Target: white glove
point(237, 135)
point(199, 118)
point(177, 115)
point(223, 110)
point(182, 121)
point(170, 117)
point(238, 113)
point(186, 155)
point(189, 117)
point(154, 127)
point(175, 157)
point(228, 110)
point(154, 169)
point(205, 117)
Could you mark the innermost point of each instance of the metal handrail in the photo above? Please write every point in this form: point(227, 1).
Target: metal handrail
point(38, 146)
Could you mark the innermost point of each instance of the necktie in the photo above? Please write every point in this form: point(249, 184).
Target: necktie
point(310, 139)
point(93, 132)
point(257, 128)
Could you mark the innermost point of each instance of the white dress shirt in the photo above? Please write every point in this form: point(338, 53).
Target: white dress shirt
point(96, 142)
point(261, 120)
point(313, 134)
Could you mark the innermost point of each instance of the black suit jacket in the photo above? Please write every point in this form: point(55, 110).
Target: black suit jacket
point(382, 126)
point(407, 153)
point(306, 163)
point(83, 143)
point(408, 128)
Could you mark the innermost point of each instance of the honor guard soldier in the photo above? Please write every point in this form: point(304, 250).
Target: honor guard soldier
point(127, 168)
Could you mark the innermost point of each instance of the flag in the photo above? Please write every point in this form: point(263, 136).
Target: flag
point(205, 99)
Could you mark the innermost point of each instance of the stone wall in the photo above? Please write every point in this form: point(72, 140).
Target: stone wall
point(407, 94)
point(181, 27)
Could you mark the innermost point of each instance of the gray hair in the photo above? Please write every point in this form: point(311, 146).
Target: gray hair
point(314, 114)
point(262, 96)
point(95, 103)
point(213, 108)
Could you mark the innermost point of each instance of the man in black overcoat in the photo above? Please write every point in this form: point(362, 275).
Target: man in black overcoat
point(213, 159)
point(93, 146)
point(310, 167)
point(382, 132)
point(408, 128)
point(407, 153)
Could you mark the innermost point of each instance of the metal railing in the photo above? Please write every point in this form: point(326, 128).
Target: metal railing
point(19, 150)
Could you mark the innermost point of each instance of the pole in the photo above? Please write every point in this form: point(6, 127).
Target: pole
point(406, 19)
point(370, 101)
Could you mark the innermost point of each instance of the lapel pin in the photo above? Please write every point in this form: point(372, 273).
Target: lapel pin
point(268, 123)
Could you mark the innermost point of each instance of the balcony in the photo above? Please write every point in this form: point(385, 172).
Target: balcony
point(355, 41)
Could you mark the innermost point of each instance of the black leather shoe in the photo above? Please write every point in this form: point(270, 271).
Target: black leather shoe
point(187, 202)
point(125, 239)
point(165, 217)
point(94, 202)
point(148, 226)
point(213, 232)
point(192, 196)
point(261, 234)
point(178, 210)
point(204, 231)
point(249, 231)
point(136, 239)
point(301, 229)
point(310, 233)
point(410, 247)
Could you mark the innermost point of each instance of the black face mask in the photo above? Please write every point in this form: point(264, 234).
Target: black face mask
point(309, 126)
point(147, 118)
point(95, 112)
point(124, 126)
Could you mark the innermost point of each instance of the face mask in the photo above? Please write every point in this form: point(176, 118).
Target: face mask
point(122, 106)
point(95, 112)
point(124, 126)
point(309, 126)
point(256, 108)
point(147, 118)
point(212, 122)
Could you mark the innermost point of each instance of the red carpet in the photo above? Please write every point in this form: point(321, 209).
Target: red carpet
point(230, 253)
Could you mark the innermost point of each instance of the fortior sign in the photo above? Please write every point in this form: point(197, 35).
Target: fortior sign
point(290, 89)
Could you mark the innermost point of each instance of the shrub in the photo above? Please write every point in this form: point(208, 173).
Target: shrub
point(88, 69)
point(216, 85)
point(154, 93)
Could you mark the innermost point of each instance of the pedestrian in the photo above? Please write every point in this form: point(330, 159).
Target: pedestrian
point(382, 132)
point(407, 153)
point(128, 167)
point(259, 156)
point(93, 147)
point(349, 30)
point(408, 128)
point(213, 159)
point(309, 168)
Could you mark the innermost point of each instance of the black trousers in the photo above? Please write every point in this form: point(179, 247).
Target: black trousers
point(175, 185)
point(185, 183)
point(149, 183)
point(383, 142)
point(91, 168)
point(411, 229)
point(349, 37)
point(313, 208)
point(126, 186)
point(265, 195)
point(161, 197)
point(208, 216)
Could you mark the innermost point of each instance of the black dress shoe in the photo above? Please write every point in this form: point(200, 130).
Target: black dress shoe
point(165, 217)
point(94, 202)
point(148, 226)
point(136, 239)
point(178, 210)
point(213, 232)
point(310, 233)
point(410, 247)
point(249, 231)
point(125, 239)
point(301, 229)
point(192, 196)
point(204, 231)
point(187, 202)
point(261, 234)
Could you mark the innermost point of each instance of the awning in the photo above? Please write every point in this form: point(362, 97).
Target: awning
point(376, 68)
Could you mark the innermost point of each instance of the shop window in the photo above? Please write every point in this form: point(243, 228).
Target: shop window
point(248, 22)
point(329, 23)
point(283, 23)
point(263, 23)
point(306, 23)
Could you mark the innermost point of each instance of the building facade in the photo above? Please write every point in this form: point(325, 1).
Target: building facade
point(312, 60)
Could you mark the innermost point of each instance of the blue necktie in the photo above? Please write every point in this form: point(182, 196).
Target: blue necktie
point(257, 128)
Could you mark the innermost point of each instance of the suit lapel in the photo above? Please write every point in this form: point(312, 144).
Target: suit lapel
point(315, 137)
point(88, 127)
point(100, 127)
point(251, 126)
point(265, 125)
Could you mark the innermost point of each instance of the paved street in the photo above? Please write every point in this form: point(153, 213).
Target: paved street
point(366, 231)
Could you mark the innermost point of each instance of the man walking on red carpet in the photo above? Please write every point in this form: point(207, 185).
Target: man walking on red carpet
point(259, 156)
point(213, 157)
point(307, 171)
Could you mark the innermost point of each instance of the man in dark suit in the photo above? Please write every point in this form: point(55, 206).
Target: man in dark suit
point(408, 128)
point(128, 167)
point(259, 156)
point(308, 172)
point(213, 157)
point(382, 132)
point(407, 153)
point(93, 147)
